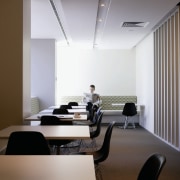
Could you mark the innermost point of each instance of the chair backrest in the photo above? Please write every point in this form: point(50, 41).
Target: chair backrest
point(53, 120)
point(96, 116)
point(89, 106)
point(65, 107)
point(104, 150)
point(129, 109)
point(99, 109)
point(60, 111)
point(27, 143)
point(92, 111)
point(49, 120)
point(96, 132)
point(152, 167)
point(73, 103)
point(95, 107)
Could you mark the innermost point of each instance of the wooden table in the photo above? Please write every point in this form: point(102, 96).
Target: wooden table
point(51, 132)
point(73, 107)
point(64, 117)
point(51, 167)
point(78, 107)
point(50, 111)
point(77, 111)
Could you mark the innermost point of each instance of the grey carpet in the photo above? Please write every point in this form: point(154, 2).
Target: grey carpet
point(129, 150)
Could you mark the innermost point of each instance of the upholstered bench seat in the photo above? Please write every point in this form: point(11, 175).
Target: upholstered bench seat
point(107, 101)
point(115, 112)
point(116, 115)
point(110, 112)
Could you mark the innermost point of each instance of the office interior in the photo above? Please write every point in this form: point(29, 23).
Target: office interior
point(30, 64)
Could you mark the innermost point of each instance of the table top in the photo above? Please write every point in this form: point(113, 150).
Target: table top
point(50, 111)
point(51, 167)
point(64, 117)
point(77, 110)
point(73, 107)
point(51, 132)
point(78, 107)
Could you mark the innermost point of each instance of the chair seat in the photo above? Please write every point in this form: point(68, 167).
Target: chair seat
point(101, 154)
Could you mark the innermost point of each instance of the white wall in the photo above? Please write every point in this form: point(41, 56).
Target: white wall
point(26, 58)
point(43, 71)
point(112, 71)
point(145, 80)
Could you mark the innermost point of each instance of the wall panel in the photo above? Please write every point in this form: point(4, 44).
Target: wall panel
point(43, 71)
point(15, 58)
point(166, 84)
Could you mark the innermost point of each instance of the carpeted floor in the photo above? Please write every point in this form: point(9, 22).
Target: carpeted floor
point(129, 150)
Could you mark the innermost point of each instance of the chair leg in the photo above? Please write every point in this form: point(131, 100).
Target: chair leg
point(84, 146)
point(93, 144)
point(52, 148)
point(62, 150)
point(98, 172)
point(133, 124)
point(126, 122)
point(81, 145)
point(58, 152)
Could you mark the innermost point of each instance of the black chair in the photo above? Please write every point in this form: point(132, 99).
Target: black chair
point(73, 104)
point(65, 107)
point(93, 122)
point(96, 116)
point(102, 154)
point(89, 106)
point(152, 167)
point(53, 120)
point(97, 131)
point(92, 111)
point(129, 110)
point(60, 111)
point(27, 143)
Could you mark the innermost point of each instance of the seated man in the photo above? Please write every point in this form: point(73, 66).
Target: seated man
point(92, 97)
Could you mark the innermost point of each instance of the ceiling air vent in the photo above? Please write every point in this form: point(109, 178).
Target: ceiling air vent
point(134, 24)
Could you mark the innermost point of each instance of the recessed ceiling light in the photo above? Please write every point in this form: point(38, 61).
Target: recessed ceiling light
point(102, 4)
point(100, 20)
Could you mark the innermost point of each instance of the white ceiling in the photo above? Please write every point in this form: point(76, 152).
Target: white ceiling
point(80, 25)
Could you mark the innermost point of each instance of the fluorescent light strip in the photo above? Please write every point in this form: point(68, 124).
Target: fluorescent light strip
point(59, 21)
point(101, 19)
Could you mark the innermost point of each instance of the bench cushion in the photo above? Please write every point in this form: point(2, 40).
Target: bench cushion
point(106, 101)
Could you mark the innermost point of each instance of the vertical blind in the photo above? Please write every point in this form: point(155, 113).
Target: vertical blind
point(167, 80)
